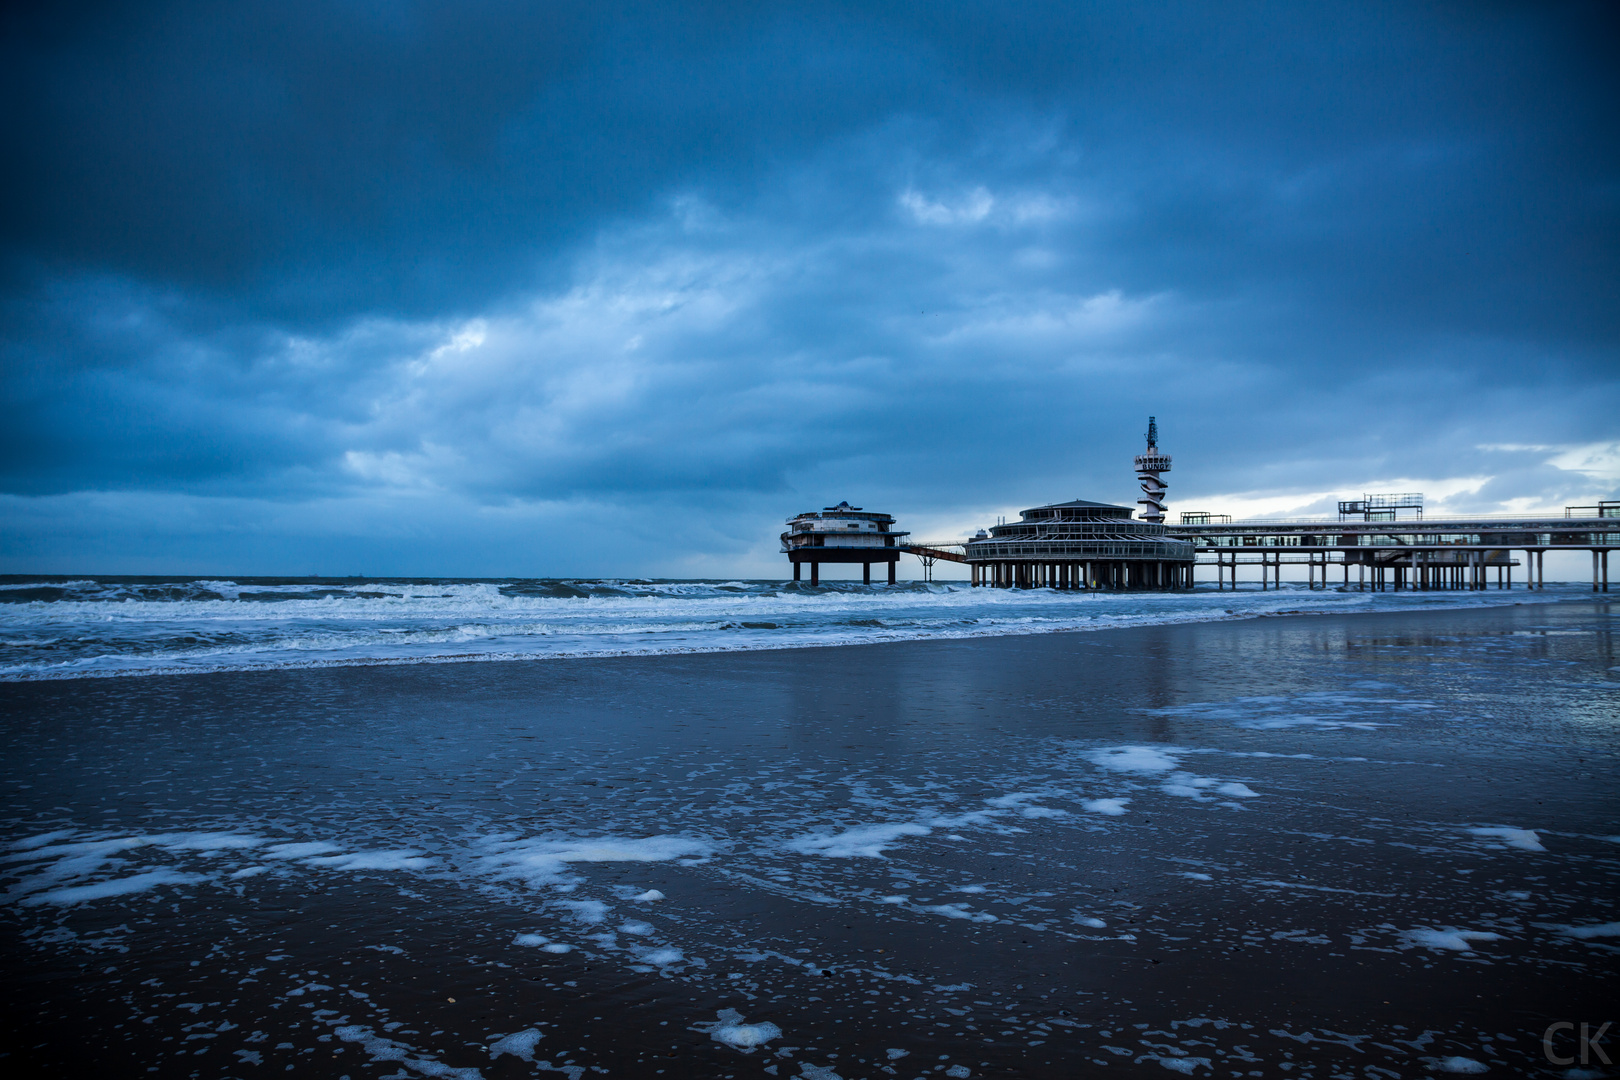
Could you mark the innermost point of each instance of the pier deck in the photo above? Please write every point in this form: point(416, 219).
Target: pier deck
point(1456, 553)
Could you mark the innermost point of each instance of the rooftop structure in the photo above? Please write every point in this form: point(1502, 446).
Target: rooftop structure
point(842, 534)
point(1382, 507)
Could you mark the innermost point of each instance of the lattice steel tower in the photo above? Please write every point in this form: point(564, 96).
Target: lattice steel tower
point(1148, 468)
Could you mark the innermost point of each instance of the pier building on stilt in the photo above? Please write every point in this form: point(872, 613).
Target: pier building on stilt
point(1080, 545)
point(842, 534)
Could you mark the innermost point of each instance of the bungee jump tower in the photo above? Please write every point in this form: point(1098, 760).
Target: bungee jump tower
point(1149, 469)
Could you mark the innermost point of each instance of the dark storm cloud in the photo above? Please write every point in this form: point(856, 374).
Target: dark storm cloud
point(494, 254)
point(322, 157)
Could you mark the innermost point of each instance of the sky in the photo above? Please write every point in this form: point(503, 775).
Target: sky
point(512, 289)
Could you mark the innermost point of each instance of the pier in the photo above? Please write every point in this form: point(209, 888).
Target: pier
point(1100, 546)
point(1418, 553)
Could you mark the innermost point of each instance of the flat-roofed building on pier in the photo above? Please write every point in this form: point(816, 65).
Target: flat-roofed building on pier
point(1080, 545)
point(842, 534)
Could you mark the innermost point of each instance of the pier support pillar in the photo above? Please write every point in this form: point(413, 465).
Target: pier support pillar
point(795, 571)
point(1594, 569)
point(891, 571)
point(815, 573)
point(866, 573)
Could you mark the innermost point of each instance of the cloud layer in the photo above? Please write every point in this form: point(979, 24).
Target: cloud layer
point(422, 285)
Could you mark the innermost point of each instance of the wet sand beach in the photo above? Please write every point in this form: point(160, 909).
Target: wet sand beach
point(1364, 845)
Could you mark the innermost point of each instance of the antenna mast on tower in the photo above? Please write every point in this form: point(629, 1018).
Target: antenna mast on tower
point(1148, 468)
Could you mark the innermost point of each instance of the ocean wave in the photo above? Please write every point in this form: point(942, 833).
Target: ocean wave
point(122, 626)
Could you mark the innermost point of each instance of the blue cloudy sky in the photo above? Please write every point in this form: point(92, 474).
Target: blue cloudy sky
point(472, 288)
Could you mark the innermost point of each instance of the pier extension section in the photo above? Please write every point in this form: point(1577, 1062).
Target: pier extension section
point(1456, 553)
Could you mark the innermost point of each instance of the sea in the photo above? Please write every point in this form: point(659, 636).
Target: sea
point(65, 628)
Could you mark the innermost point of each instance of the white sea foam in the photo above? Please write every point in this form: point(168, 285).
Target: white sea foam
point(542, 862)
point(520, 1044)
point(1326, 710)
point(379, 1048)
point(1237, 790)
point(731, 1031)
point(1110, 807)
point(1135, 759)
point(1523, 839)
point(136, 883)
point(204, 842)
point(590, 912)
point(1596, 930)
point(868, 841)
point(1186, 785)
point(405, 859)
point(661, 957)
point(1454, 940)
point(296, 850)
point(957, 911)
point(97, 628)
